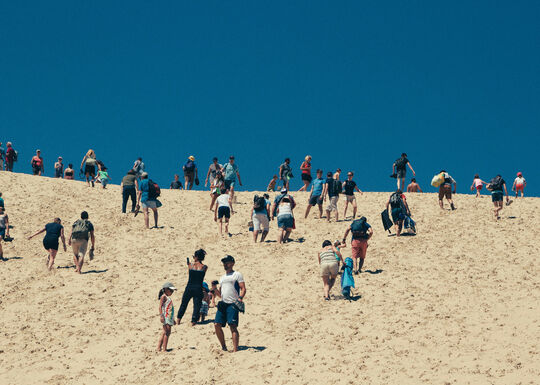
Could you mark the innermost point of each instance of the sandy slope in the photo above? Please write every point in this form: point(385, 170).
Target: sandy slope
point(456, 304)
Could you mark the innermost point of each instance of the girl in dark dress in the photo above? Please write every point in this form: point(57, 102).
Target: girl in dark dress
point(53, 231)
point(194, 287)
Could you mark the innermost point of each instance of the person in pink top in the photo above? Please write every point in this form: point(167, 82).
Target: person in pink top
point(477, 184)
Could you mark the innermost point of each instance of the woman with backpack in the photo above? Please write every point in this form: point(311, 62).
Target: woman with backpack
point(497, 186)
point(148, 193)
point(89, 161)
point(400, 208)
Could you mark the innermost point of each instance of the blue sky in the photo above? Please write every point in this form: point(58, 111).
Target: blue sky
point(455, 85)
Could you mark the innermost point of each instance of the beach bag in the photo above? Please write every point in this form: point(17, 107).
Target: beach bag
point(386, 221)
point(438, 180)
point(81, 228)
point(15, 155)
point(153, 190)
point(400, 163)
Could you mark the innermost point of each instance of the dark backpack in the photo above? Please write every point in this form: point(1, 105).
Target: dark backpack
point(260, 202)
point(338, 187)
point(153, 190)
point(496, 183)
point(401, 163)
point(190, 166)
point(395, 200)
point(358, 228)
point(81, 228)
point(15, 155)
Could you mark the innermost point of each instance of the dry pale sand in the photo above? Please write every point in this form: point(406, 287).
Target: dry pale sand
point(456, 304)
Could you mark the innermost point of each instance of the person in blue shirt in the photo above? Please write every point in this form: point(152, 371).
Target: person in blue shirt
point(1, 201)
point(230, 172)
point(317, 186)
point(146, 201)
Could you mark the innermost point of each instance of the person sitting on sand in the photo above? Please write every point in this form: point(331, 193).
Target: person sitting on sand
point(166, 314)
point(445, 190)
point(329, 266)
point(81, 231)
point(400, 208)
point(4, 230)
point(272, 184)
point(147, 201)
point(89, 161)
point(477, 184)
point(194, 287)
point(414, 186)
point(129, 187)
point(53, 231)
point(69, 173)
point(59, 168)
point(232, 290)
point(361, 232)
point(38, 167)
point(519, 184)
point(497, 186)
point(176, 184)
point(223, 211)
point(305, 167)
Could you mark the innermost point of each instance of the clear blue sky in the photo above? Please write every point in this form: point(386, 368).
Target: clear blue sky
point(353, 83)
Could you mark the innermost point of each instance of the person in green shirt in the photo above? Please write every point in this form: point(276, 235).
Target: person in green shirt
point(103, 177)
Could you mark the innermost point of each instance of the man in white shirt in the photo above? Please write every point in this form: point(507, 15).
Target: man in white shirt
point(232, 291)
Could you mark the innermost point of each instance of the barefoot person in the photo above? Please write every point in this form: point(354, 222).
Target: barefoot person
point(497, 186)
point(259, 215)
point(69, 173)
point(148, 199)
point(519, 184)
point(166, 314)
point(285, 173)
point(4, 230)
point(194, 287)
point(414, 186)
point(400, 208)
point(285, 218)
point(37, 164)
point(332, 188)
point(59, 168)
point(230, 173)
point(190, 173)
point(329, 266)
point(89, 161)
point(361, 232)
point(232, 290)
point(129, 187)
point(223, 210)
point(213, 169)
point(477, 184)
point(53, 231)
point(316, 197)
point(399, 170)
point(445, 190)
point(305, 167)
point(82, 231)
point(349, 186)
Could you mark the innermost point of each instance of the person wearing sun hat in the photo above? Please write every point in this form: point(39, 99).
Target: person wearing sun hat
point(519, 184)
point(190, 173)
point(166, 314)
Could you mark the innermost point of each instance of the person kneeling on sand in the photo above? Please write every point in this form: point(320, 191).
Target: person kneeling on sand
point(232, 290)
point(361, 232)
point(166, 314)
point(81, 231)
point(329, 266)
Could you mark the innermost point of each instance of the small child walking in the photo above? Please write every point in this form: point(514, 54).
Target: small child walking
point(519, 184)
point(272, 184)
point(205, 302)
point(103, 177)
point(166, 314)
point(477, 184)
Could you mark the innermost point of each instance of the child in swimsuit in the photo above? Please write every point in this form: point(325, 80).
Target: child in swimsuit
point(166, 314)
point(477, 185)
point(519, 184)
point(205, 301)
point(272, 184)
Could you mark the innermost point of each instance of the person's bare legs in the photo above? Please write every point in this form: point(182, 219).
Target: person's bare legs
point(337, 215)
point(214, 197)
point(164, 340)
point(146, 220)
point(263, 235)
point(255, 235)
point(227, 226)
point(320, 210)
point(232, 193)
point(307, 210)
point(220, 336)
point(331, 282)
point(305, 186)
point(287, 235)
point(441, 204)
point(328, 215)
point(155, 217)
point(235, 337)
point(52, 255)
point(1, 250)
point(326, 286)
point(186, 183)
point(355, 207)
point(281, 235)
point(221, 226)
point(398, 225)
point(497, 209)
point(345, 210)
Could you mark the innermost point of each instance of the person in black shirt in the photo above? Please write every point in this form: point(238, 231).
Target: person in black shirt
point(332, 188)
point(399, 170)
point(53, 231)
point(348, 188)
point(194, 287)
point(176, 184)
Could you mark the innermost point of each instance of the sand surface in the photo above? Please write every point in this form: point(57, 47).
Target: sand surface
point(457, 304)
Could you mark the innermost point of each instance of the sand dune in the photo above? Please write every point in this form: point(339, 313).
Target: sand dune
point(456, 304)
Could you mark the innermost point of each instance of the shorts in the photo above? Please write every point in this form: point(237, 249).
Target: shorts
point(50, 243)
point(260, 222)
point(332, 206)
point(224, 211)
point(204, 308)
point(329, 269)
point(90, 170)
point(169, 321)
point(401, 173)
point(497, 196)
point(307, 177)
point(315, 200)
point(445, 191)
point(285, 221)
point(190, 175)
point(397, 214)
point(519, 187)
point(350, 198)
point(229, 316)
point(1, 163)
point(2, 233)
point(359, 248)
point(479, 187)
point(149, 204)
point(36, 170)
point(79, 247)
point(229, 183)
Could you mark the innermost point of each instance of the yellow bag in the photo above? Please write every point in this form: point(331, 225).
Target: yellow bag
point(438, 180)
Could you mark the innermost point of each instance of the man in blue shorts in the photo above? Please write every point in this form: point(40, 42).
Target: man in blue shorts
point(230, 171)
point(232, 290)
point(317, 186)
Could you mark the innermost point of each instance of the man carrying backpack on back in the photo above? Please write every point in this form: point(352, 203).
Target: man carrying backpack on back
point(496, 186)
point(399, 170)
point(400, 209)
point(149, 191)
point(81, 232)
point(361, 232)
point(190, 173)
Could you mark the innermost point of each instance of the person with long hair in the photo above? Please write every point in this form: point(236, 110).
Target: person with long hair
point(194, 287)
point(89, 161)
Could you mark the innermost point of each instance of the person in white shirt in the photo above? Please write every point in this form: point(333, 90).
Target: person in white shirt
point(519, 184)
point(223, 210)
point(232, 290)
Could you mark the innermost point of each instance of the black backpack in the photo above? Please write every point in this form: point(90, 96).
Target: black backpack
point(395, 200)
point(153, 190)
point(338, 186)
point(260, 202)
point(358, 227)
point(401, 163)
point(496, 183)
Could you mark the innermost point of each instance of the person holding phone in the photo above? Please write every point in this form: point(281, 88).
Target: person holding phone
point(194, 287)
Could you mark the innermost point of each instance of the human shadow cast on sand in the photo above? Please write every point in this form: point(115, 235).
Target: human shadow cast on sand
point(256, 348)
point(378, 271)
point(95, 271)
point(10, 258)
